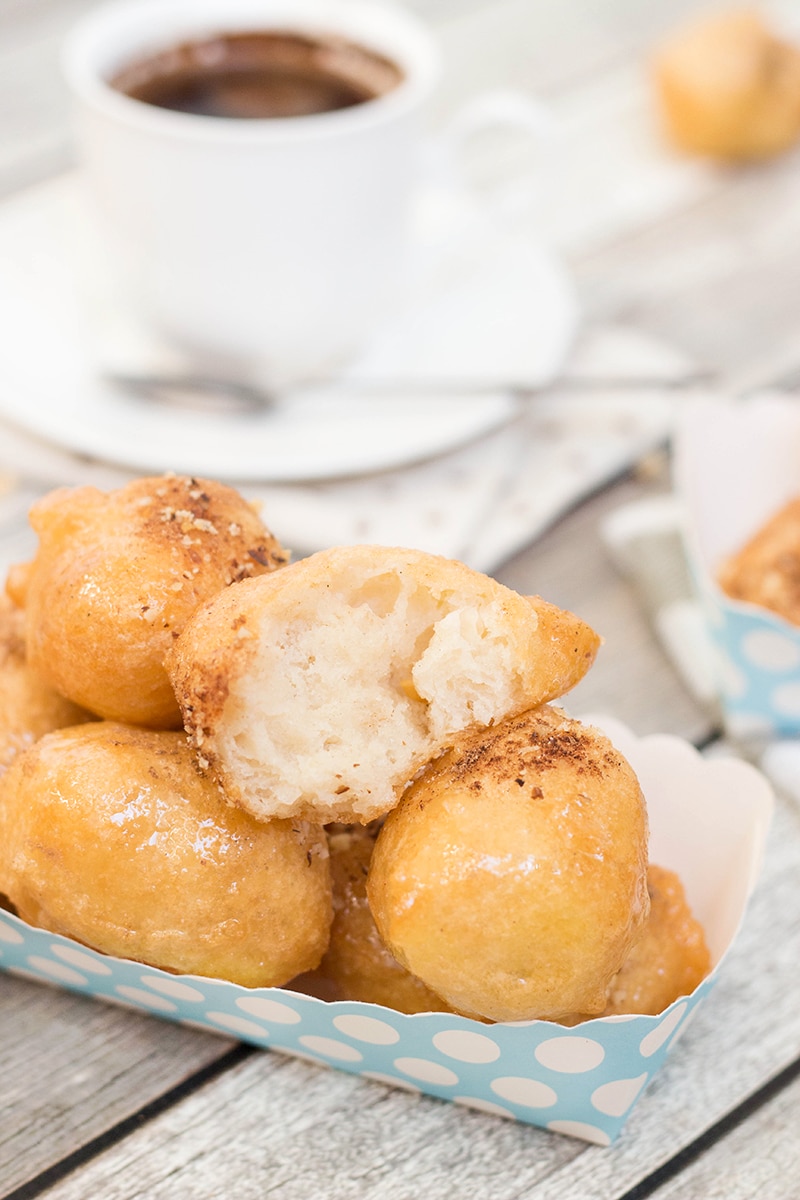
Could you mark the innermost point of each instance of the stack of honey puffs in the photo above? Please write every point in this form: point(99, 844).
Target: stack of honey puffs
point(344, 774)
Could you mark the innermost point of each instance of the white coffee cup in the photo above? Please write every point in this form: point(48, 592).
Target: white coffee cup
point(269, 246)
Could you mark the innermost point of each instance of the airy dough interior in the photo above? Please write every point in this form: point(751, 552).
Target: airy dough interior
point(381, 676)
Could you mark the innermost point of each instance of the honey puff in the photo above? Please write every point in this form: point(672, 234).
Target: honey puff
point(729, 87)
point(29, 706)
point(357, 964)
point(116, 577)
point(512, 876)
point(671, 957)
point(320, 690)
point(109, 836)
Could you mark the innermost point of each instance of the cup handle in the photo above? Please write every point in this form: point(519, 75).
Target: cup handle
point(499, 110)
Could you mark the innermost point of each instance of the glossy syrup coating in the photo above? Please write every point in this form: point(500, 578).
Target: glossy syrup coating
point(109, 836)
point(116, 577)
point(671, 957)
point(320, 690)
point(29, 706)
point(511, 878)
point(357, 965)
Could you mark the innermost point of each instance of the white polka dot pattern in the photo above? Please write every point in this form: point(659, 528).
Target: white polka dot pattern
point(786, 700)
point(770, 651)
point(146, 999)
point(232, 1023)
point(572, 1055)
point(654, 1040)
point(83, 960)
point(367, 1029)
point(532, 1072)
point(467, 1047)
point(172, 987)
point(57, 970)
point(331, 1048)
point(616, 1098)
point(531, 1093)
point(10, 935)
point(426, 1070)
point(757, 660)
point(268, 1010)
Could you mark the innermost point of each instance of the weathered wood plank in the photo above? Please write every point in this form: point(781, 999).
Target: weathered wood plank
point(73, 1068)
point(289, 1129)
point(762, 1154)
point(716, 279)
point(34, 113)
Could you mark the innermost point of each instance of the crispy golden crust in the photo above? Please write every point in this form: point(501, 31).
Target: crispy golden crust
point(729, 88)
point(568, 648)
point(357, 965)
point(511, 878)
point(109, 835)
point(766, 571)
point(116, 577)
point(29, 707)
point(321, 690)
point(227, 630)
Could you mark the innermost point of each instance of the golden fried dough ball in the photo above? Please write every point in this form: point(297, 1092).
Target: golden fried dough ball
point(357, 965)
point(512, 876)
point(766, 571)
point(17, 583)
point(321, 690)
point(729, 88)
point(116, 577)
point(109, 835)
point(671, 957)
point(29, 707)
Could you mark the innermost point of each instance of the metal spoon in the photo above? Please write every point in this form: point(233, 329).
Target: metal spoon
point(204, 393)
point(209, 393)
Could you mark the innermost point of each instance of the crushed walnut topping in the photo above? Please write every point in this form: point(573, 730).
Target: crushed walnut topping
point(187, 520)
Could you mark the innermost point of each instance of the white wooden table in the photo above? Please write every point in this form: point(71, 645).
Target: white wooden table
point(100, 1102)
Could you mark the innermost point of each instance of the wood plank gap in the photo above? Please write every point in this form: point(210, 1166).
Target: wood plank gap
point(705, 743)
point(117, 1133)
point(715, 1133)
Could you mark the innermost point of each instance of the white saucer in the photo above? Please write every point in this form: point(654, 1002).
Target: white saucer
point(481, 309)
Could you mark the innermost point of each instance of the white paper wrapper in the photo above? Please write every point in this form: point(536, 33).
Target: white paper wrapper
point(708, 822)
point(736, 464)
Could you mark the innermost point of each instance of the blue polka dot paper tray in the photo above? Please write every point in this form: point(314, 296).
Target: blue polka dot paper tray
point(708, 822)
point(736, 464)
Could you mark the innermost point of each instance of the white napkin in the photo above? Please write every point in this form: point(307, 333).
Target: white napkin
point(645, 543)
point(481, 503)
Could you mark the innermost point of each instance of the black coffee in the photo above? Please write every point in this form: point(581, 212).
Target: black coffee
point(257, 75)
